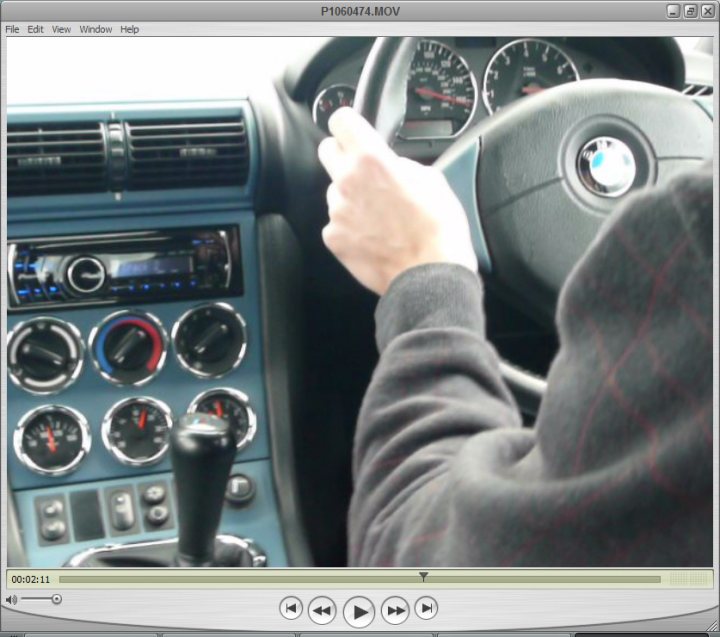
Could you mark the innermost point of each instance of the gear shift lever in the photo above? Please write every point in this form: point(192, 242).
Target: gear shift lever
point(202, 449)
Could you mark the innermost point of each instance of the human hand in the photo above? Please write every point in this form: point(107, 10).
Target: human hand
point(387, 214)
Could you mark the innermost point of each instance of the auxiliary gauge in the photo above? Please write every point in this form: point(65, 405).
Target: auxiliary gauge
point(136, 431)
point(329, 100)
point(233, 406)
point(52, 440)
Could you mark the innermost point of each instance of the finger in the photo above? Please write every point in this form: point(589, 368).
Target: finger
point(334, 199)
point(330, 238)
point(332, 158)
point(355, 135)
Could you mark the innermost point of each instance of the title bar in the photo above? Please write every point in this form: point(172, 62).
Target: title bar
point(337, 11)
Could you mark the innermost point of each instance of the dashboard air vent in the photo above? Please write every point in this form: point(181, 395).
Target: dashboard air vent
point(55, 158)
point(698, 90)
point(187, 153)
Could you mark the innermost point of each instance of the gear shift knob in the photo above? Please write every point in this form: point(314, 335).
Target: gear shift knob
point(202, 449)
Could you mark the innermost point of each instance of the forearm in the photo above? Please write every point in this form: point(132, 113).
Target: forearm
point(437, 384)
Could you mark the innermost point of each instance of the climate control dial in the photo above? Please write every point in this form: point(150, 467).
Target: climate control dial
point(45, 355)
point(129, 347)
point(210, 340)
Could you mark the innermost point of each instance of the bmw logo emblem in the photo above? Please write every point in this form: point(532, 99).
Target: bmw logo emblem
point(606, 167)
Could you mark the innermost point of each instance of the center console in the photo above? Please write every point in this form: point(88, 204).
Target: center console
point(112, 338)
point(138, 299)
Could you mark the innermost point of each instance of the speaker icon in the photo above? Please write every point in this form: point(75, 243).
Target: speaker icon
point(12, 599)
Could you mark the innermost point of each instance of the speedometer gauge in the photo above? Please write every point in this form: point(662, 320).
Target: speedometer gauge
point(524, 67)
point(442, 93)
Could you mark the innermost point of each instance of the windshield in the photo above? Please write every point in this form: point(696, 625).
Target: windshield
point(59, 70)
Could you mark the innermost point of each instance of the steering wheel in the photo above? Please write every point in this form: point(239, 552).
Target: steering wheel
point(538, 178)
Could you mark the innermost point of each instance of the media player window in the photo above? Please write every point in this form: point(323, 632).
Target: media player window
point(336, 316)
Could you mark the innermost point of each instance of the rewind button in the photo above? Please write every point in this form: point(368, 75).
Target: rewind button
point(322, 610)
point(395, 610)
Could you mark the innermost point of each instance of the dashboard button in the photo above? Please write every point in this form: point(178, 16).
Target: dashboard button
point(53, 530)
point(122, 513)
point(157, 515)
point(52, 509)
point(240, 490)
point(154, 494)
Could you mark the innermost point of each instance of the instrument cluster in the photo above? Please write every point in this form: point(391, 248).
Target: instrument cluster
point(454, 82)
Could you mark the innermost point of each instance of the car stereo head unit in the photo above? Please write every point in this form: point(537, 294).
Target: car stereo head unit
point(118, 267)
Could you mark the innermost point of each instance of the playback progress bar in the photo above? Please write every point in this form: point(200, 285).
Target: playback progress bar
point(359, 578)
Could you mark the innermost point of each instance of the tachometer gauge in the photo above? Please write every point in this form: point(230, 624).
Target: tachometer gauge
point(136, 431)
point(233, 406)
point(52, 440)
point(442, 93)
point(525, 67)
point(329, 100)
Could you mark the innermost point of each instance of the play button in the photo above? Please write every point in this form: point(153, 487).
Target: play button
point(395, 610)
point(359, 612)
point(322, 610)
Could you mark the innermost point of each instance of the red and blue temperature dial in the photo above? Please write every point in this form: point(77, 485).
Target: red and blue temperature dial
point(129, 348)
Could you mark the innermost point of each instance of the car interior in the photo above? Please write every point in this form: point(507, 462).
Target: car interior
point(186, 358)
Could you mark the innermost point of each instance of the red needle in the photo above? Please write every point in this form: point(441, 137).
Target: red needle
point(529, 90)
point(441, 96)
point(218, 408)
point(52, 445)
point(143, 419)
